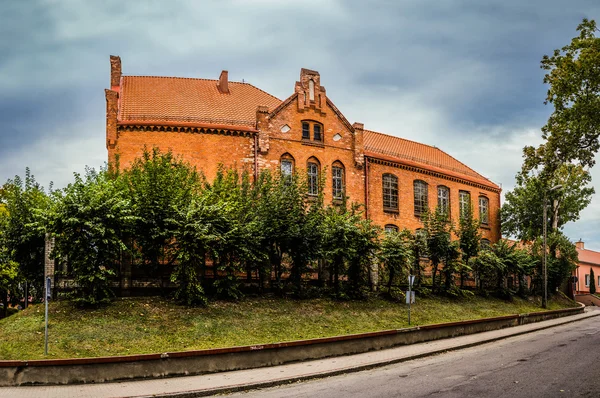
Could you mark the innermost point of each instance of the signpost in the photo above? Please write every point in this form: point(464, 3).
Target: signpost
point(48, 295)
point(410, 295)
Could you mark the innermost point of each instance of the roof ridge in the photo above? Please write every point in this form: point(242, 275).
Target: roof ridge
point(474, 173)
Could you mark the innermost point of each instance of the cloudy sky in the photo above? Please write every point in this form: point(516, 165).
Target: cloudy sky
point(460, 75)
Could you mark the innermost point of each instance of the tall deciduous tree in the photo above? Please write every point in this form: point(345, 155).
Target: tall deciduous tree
point(573, 76)
point(396, 254)
point(90, 219)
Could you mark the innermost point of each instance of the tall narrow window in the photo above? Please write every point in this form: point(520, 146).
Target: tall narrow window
point(286, 166)
point(464, 202)
point(390, 192)
point(444, 199)
point(317, 132)
point(311, 90)
point(484, 206)
point(313, 178)
point(337, 175)
point(420, 188)
point(305, 131)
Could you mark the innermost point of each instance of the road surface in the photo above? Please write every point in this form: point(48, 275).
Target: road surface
point(562, 361)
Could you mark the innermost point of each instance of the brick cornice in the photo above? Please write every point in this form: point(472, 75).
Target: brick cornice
point(433, 173)
point(193, 128)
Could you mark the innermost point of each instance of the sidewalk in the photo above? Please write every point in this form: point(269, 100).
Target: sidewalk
point(208, 384)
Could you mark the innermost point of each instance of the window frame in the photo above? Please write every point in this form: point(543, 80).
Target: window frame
point(587, 280)
point(305, 130)
point(286, 158)
point(338, 183)
point(393, 194)
point(484, 199)
point(391, 227)
point(444, 188)
point(461, 209)
point(313, 176)
point(420, 199)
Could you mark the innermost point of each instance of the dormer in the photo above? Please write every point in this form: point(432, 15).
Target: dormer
point(310, 92)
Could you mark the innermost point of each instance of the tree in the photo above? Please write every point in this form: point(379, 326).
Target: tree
point(90, 219)
point(9, 269)
point(25, 201)
point(438, 228)
point(396, 254)
point(522, 211)
point(469, 237)
point(573, 76)
point(158, 184)
point(592, 282)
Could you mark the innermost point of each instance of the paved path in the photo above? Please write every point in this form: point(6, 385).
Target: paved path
point(209, 384)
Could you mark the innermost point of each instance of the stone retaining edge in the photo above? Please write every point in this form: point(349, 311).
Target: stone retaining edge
point(118, 368)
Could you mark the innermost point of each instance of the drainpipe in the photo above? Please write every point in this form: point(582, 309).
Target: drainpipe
point(366, 187)
point(255, 157)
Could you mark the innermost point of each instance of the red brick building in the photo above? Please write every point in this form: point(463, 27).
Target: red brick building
point(212, 122)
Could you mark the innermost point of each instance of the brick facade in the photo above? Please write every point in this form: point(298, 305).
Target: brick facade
point(239, 125)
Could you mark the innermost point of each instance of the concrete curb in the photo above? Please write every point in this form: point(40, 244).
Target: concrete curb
point(352, 369)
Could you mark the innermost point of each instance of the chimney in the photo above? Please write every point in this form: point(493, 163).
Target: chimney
point(223, 84)
point(115, 71)
point(579, 245)
point(358, 144)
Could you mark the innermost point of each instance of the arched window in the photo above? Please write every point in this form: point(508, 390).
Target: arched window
point(390, 228)
point(484, 210)
point(485, 244)
point(338, 180)
point(443, 199)
point(312, 168)
point(464, 202)
point(286, 164)
point(311, 90)
point(390, 192)
point(420, 189)
point(317, 130)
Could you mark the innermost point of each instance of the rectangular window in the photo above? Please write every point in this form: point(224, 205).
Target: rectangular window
point(338, 182)
point(483, 210)
point(444, 199)
point(305, 131)
point(587, 280)
point(390, 192)
point(313, 179)
point(464, 202)
point(420, 189)
point(317, 132)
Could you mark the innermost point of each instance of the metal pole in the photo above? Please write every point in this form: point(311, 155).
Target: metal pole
point(409, 299)
point(46, 322)
point(545, 298)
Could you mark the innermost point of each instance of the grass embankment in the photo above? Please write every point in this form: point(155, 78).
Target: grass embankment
point(154, 325)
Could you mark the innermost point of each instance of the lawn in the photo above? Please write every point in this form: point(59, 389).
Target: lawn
point(154, 325)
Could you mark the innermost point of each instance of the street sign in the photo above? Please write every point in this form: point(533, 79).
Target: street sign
point(410, 297)
point(411, 280)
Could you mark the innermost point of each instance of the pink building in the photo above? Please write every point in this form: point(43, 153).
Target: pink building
point(588, 260)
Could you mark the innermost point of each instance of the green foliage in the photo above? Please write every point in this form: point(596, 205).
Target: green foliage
point(469, 237)
point(396, 254)
point(592, 282)
point(23, 202)
point(522, 212)
point(441, 249)
point(90, 218)
point(158, 186)
point(573, 77)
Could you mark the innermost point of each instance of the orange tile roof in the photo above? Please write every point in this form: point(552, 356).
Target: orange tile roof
point(413, 153)
point(588, 256)
point(178, 99)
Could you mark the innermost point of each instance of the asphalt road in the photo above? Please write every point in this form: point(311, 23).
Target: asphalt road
point(563, 361)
